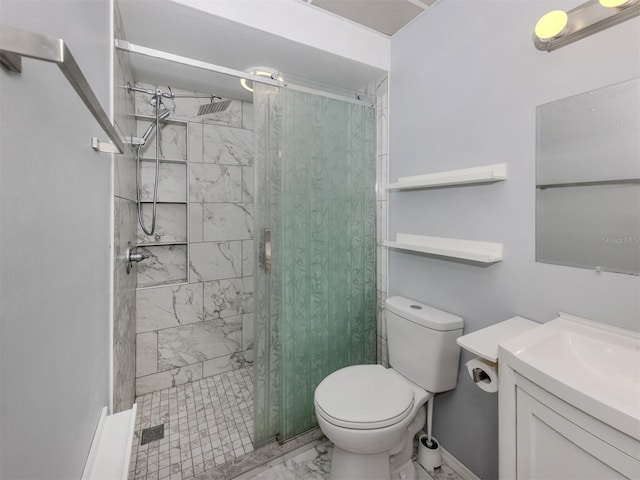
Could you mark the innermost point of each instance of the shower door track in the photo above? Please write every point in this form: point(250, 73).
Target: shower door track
point(159, 54)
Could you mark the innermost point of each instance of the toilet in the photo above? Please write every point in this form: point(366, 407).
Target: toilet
point(372, 413)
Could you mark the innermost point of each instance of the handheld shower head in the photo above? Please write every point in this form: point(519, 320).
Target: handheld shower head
point(163, 115)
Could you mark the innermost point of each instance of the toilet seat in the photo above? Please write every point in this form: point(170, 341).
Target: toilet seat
point(364, 397)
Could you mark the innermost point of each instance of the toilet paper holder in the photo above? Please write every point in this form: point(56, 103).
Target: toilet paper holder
point(479, 375)
point(484, 374)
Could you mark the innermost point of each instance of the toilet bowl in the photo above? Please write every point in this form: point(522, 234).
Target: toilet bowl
point(372, 413)
point(373, 429)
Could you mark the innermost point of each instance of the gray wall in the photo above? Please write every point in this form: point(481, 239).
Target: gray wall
point(55, 223)
point(465, 82)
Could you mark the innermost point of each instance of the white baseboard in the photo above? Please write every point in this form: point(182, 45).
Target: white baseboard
point(111, 447)
point(459, 468)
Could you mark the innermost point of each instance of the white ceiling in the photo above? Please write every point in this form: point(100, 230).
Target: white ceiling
point(383, 16)
point(179, 29)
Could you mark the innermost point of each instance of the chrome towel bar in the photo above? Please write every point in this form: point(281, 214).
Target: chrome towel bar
point(16, 43)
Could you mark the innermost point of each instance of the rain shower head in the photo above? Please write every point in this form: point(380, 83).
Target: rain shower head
point(213, 107)
point(163, 115)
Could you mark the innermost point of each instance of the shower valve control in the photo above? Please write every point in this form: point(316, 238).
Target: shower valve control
point(132, 256)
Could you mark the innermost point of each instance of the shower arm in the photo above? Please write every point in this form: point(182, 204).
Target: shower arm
point(212, 98)
point(170, 94)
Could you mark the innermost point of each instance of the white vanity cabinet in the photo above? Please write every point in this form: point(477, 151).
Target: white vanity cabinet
point(555, 440)
point(569, 395)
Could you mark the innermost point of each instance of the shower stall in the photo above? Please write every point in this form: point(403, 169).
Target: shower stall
point(315, 219)
point(257, 234)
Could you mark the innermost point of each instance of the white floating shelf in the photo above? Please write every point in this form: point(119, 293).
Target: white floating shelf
point(465, 176)
point(483, 252)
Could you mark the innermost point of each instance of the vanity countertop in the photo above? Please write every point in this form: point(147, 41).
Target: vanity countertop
point(484, 342)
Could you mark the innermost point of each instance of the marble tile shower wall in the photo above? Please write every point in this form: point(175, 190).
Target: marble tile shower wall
point(201, 325)
point(380, 90)
point(125, 229)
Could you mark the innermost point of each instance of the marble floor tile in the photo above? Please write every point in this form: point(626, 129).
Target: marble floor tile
point(263, 458)
point(208, 423)
point(313, 462)
point(442, 473)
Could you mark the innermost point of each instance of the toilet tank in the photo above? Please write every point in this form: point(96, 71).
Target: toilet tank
point(422, 343)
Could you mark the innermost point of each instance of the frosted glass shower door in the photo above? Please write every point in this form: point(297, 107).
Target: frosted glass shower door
point(316, 309)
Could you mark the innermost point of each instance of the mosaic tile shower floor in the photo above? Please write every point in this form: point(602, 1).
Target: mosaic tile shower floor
point(207, 423)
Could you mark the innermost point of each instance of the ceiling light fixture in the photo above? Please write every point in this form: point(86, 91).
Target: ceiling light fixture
point(261, 72)
point(616, 3)
point(557, 28)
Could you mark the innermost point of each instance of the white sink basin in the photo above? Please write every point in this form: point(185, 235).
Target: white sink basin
point(589, 365)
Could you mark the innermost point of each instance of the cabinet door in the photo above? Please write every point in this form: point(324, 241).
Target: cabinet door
point(551, 447)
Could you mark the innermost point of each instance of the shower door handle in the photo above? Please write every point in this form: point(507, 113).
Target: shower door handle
point(267, 250)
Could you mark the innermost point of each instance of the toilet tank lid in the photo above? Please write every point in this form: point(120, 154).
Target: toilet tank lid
point(423, 315)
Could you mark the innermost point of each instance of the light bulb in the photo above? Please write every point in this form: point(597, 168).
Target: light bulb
point(616, 3)
point(261, 72)
point(552, 25)
point(245, 84)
